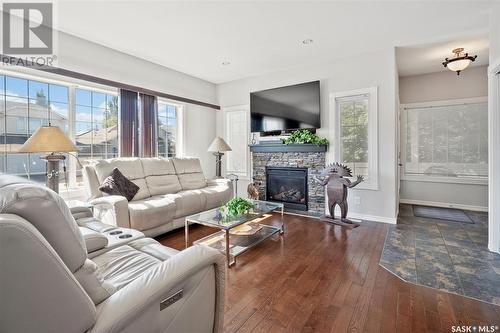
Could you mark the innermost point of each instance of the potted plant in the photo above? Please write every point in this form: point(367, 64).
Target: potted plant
point(305, 136)
point(236, 207)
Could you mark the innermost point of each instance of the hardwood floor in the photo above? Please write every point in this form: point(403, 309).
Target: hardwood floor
point(321, 278)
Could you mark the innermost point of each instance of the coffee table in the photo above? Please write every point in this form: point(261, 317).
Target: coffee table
point(230, 244)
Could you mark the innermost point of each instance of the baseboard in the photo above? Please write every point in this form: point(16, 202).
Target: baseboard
point(443, 204)
point(374, 218)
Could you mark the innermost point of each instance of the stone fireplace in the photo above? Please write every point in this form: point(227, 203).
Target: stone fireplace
point(297, 164)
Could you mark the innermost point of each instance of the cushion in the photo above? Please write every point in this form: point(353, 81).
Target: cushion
point(190, 173)
point(216, 195)
point(151, 212)
point(143, 192)
point(156, 166)
point(192, 181)
point(130, 167)
point(118, 184)
point(188, 202)
point(165, 184)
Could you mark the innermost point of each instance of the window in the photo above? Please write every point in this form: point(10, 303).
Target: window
point(236, 132)
point(168, 129)
point(27, 103)
point(354, 125)
point(25, 106)
point(446, 140)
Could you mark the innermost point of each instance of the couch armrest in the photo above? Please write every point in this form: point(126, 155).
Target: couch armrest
point(219, 181)
point(198, 271)
point(93, 240)
point(112, 209)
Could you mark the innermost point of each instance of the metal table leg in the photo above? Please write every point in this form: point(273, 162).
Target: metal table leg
point(282, 222)
point(228, 252)
point(186, 233)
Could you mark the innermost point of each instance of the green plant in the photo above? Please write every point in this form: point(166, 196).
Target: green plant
point(236, 207)
point(305, 136)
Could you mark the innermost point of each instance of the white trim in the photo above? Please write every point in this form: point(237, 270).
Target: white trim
point(334, 132)
point(449, 180)
point(494, 157)
point(404, 130)
point(367, 217)
point(238, 108)
point(443, 205)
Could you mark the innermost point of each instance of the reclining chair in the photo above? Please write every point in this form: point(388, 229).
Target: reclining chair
point(48, 283)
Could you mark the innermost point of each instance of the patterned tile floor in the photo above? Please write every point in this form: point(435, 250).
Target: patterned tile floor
point(445, 255)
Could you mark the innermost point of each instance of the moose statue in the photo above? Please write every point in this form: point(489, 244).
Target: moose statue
point(333, 176)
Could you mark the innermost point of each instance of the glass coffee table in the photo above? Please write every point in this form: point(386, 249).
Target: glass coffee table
point(237, 234)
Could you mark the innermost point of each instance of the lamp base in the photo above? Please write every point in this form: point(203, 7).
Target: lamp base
point(52, 173)
point(218, 164)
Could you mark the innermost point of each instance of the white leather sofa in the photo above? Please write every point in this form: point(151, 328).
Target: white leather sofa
point(48, 283)
point(169, 190)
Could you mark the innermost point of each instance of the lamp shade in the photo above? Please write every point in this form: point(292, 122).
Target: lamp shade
point(219, 145)
point(48, 139)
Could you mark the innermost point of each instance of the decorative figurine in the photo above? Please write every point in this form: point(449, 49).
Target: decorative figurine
point(253, 190)
point(337, 186)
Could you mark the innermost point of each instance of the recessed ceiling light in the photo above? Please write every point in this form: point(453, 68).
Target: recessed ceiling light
point(226, 63)
point(307, 41)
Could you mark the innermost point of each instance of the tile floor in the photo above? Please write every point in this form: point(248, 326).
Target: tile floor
point(446, 255)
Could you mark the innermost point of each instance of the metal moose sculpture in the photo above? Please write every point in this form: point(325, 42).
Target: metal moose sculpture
point(337, 186)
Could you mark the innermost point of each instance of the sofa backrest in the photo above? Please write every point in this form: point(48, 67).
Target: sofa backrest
point(130, 167)
point(153, 175)
point(190, 173)
point(161, 177)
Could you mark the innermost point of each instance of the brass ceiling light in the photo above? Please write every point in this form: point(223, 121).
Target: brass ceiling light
point(460, 62)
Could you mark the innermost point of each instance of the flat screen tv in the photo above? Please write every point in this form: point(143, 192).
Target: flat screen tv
point(286, 108)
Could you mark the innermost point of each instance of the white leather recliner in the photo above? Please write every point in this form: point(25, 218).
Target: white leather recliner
point(48, 283)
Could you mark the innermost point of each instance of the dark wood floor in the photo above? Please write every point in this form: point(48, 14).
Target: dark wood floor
point(321, 278)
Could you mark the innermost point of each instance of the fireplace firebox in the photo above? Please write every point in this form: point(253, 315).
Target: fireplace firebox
point(288, 186)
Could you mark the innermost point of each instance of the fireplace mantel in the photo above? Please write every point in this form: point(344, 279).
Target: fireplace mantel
point(272, 147)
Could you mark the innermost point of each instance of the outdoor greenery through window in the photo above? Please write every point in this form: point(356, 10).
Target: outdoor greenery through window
point(167, 129)
point(25, 106)
point(447, 140)
point(353, 114)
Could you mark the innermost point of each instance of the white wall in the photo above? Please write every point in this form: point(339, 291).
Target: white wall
point(494, 131)
point(368, 70)
point(83, 56)
point(445, 85)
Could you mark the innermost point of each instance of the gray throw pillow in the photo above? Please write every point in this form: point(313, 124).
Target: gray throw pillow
point(118, 184)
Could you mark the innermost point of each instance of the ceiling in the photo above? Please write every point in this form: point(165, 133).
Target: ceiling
point(259, 37)
point(428, 58)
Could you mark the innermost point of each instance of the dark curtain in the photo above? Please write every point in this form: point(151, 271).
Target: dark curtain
point(129, 121)
point(149, 111)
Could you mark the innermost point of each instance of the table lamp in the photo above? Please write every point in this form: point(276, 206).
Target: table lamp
point(51, 140)
point(218, 147)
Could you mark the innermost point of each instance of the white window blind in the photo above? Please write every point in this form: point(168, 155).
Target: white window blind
point(236, 133)
point(447, 141)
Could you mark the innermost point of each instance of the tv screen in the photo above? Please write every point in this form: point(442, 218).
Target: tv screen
point(285, 108)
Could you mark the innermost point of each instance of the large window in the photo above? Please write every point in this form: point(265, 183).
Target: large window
point(168, 129)
point(25, 106)
point(447, 140)
point(354, 124)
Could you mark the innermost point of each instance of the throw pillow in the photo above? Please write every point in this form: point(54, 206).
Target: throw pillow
point(118, 184)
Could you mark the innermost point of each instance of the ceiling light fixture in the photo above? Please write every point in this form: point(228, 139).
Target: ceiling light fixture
point(226, 63)
point(307, 41)
point(460, 62)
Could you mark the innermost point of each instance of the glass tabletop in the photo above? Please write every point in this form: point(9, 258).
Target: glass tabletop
point(214, 218)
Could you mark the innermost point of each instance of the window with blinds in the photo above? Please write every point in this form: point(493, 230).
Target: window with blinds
point(447, 140)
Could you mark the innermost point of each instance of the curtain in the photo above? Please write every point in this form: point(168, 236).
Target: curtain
point(149, 111)
point(129, 121)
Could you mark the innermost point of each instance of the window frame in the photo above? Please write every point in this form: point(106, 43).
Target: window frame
point(372, 182)
point(72, 85)
point(180, 109)
point(473, 180)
